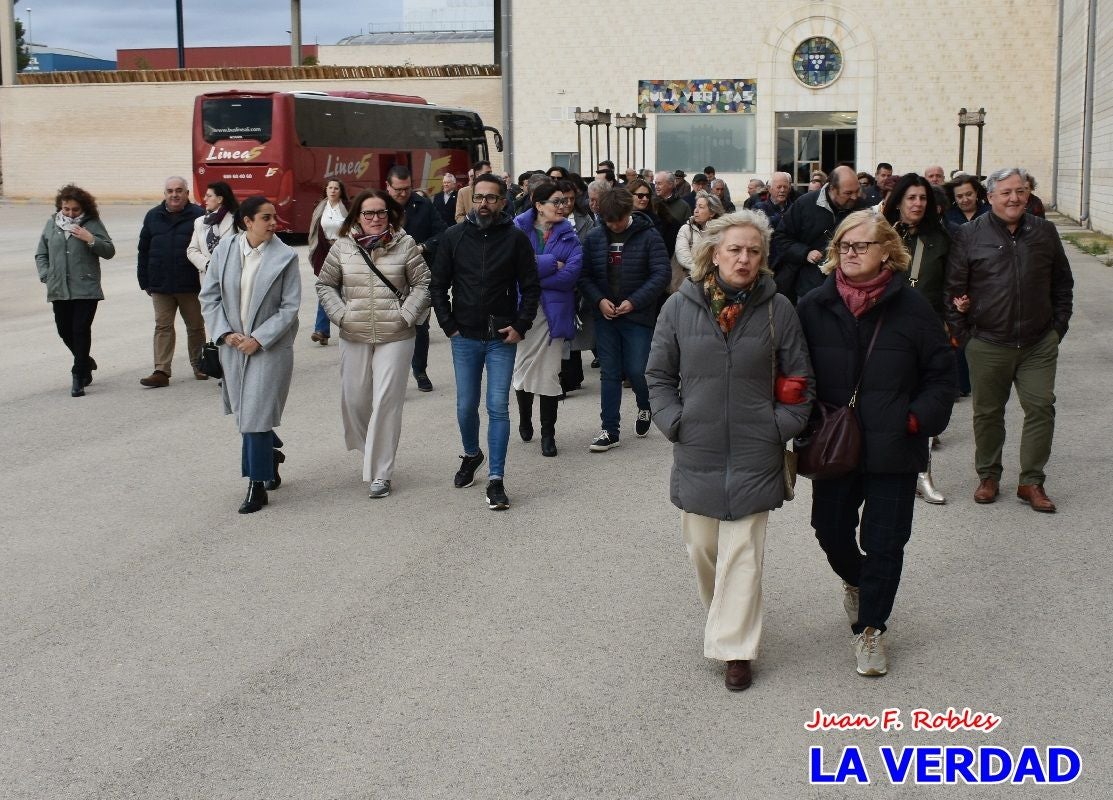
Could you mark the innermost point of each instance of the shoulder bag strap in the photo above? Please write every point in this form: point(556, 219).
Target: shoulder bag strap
point(869, 350)
point(380, 275)
point(917, 257)
point(773, 350)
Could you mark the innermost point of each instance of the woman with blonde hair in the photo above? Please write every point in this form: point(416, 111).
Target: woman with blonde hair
point(374, 284)
point(729, 386)
point(874, 339)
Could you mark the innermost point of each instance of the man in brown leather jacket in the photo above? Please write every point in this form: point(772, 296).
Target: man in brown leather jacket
point(1010, 293)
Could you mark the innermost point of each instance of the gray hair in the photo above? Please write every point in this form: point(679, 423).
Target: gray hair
point(668, 177)
point(714, 204)
point(718, 182)
point(783, 175)
point(1003, 175)
point(704, 255)
point(176, 178)
point(535, 181)
point(596, 188)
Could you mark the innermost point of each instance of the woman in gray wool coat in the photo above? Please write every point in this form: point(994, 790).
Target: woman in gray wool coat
point(729, 384)
point(250, 298)
point(68, 260)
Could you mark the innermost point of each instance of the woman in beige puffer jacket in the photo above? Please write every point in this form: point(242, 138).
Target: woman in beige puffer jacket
point(376, 326)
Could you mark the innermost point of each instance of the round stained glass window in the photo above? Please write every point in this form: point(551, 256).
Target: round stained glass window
point(817, 62)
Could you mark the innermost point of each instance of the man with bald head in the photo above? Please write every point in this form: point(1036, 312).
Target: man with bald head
point(935, 175)
point(171, 281)
point(800, 240)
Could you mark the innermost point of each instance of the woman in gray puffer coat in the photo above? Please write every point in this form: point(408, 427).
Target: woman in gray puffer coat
point(729, 384)
point(376, 320)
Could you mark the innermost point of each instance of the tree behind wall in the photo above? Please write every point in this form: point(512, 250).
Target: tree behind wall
point(22, 51)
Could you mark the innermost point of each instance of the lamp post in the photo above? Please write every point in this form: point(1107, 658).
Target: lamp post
point(966, 118)
point(627, 123)
point(604, 118)
point(591, 119)
point(295, 32)
point(640, 123)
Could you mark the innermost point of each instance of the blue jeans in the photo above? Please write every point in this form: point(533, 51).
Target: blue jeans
point(322, 324)
point(469, 357)
point(257, 455)
point(623, 350)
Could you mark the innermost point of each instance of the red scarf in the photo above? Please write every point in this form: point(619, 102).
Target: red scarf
point(861, 297)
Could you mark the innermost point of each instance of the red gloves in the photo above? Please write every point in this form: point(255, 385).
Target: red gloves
point(913, 425)
point(790, 390)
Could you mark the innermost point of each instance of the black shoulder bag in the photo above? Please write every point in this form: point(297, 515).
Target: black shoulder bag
point(401, 297)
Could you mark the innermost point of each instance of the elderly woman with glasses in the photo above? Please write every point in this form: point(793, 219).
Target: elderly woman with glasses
point(559, 259)
point(374, 284)
point(876, 339)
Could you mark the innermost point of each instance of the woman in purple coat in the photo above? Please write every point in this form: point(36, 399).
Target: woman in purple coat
point(537, 367)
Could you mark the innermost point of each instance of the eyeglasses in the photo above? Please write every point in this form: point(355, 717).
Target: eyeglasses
point(486, 198)
point(563, 201)
point(642, 195)
point(858, 247)
point(379, 214)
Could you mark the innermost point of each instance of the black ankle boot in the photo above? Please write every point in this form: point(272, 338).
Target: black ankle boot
point(279, 458)
point(548, 445)
point(525, 414)
point(78, 388)
point(256, 498)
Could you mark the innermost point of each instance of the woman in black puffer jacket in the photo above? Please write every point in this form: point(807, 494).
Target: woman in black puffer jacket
point(907, 389)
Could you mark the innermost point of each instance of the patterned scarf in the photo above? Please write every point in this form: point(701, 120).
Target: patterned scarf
point(726, 304)
point(861, 297)
point(67, 224)
point(213, 220)
point(369, 241)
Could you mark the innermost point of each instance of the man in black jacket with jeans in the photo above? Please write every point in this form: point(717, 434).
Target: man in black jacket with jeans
point(488, 266)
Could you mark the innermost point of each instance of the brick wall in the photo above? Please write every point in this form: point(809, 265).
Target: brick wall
point(121, 141)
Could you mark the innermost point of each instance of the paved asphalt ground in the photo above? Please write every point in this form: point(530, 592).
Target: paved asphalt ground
point(155, 644)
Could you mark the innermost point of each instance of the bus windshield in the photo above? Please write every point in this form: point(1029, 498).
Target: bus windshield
point(236, 118)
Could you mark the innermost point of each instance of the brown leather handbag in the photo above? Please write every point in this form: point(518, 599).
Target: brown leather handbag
point(834, 446)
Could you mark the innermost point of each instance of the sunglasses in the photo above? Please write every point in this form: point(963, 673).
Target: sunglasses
point(642, 195)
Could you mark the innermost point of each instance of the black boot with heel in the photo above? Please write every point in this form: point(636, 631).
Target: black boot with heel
point(279, 458)
point(256, 498)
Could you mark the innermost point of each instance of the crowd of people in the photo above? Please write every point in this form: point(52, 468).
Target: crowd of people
point(738, 326)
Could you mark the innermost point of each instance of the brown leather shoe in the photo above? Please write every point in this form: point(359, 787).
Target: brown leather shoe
point(987, 491)
point(199, 375)
point(156, 380)
point(739, 676)
point(319, 338)
point(1034, 495)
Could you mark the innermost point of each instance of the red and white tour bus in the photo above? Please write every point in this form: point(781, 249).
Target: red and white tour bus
point(287, 145)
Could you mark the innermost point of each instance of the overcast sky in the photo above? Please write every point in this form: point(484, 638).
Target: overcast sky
point(100, 27)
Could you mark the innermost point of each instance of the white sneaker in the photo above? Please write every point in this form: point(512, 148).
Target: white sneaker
point(870, 651)
point(379, 488)
point(850, 601)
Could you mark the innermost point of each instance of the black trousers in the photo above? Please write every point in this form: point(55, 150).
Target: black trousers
point(420, 360)
point(74, 320)
point(886, 502)
point(548, 410)
point(572, 371)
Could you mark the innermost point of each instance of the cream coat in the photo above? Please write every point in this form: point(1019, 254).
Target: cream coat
point(198, 251)
point(360, 304)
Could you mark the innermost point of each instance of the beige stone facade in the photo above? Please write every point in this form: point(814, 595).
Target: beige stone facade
point(120, 141)
point(1069, 192)
point(909, 67)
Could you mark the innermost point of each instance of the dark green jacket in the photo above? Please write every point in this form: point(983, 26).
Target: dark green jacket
point(69, 267)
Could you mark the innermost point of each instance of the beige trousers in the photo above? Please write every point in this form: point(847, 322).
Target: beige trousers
point(373, 380)
point(190, 308)
point(728, 558)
